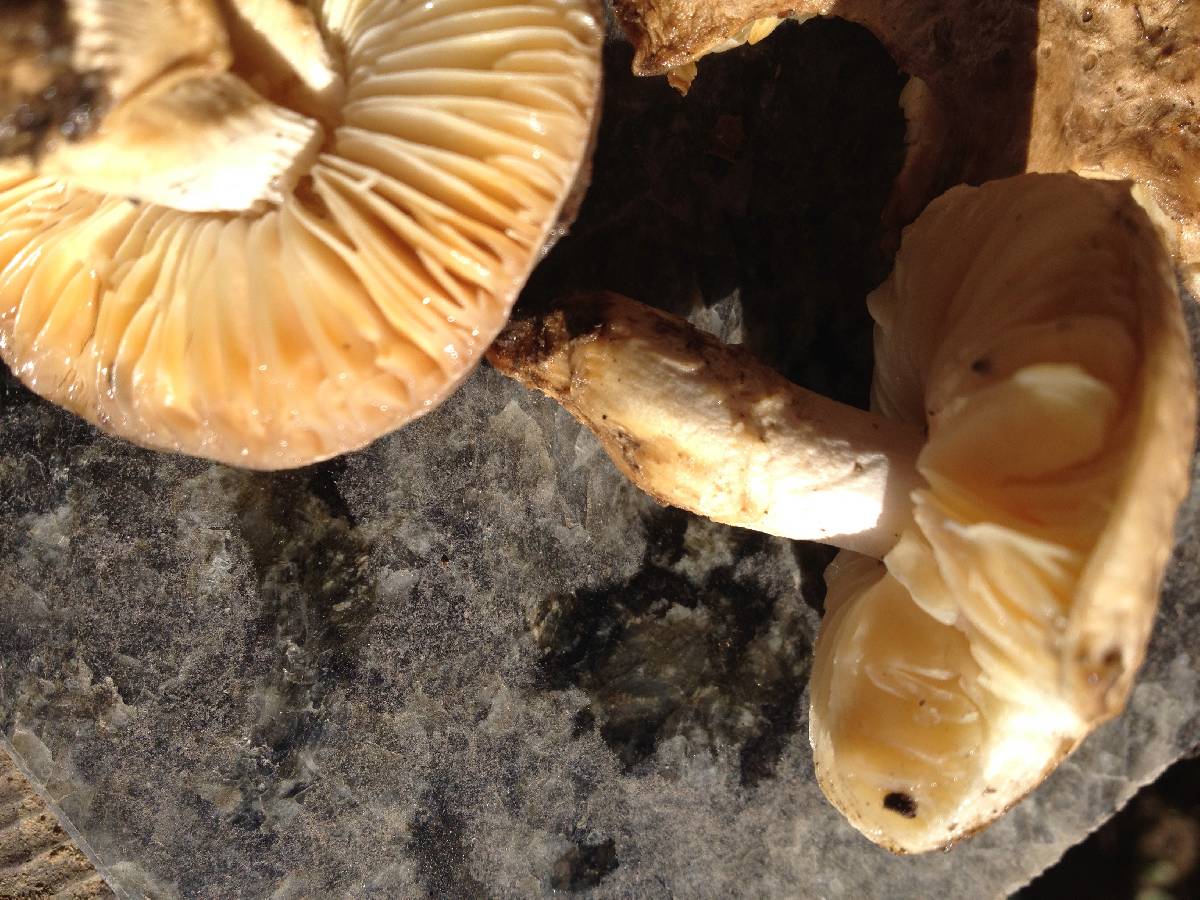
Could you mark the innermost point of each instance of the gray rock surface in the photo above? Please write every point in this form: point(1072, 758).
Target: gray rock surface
point(471, 660)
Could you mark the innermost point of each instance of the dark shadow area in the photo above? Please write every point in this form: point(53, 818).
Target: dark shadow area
point(722, 663)
point(812, 557)
point(40, 440)
point(311, 566)
point(767, 181)
point(1150, 850)
point(440, 847)
point(43, 98)
point(979, 60)
point(585, 865)
point(12, 392)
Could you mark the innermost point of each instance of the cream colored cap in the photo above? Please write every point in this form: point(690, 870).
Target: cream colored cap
point(1033, 326)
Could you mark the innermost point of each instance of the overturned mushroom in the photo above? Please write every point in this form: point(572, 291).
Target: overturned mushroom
point(1035, 411)
point(266, 232)
point(1093, 86)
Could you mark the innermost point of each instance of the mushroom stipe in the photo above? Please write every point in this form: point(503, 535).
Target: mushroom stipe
point(1004, 525)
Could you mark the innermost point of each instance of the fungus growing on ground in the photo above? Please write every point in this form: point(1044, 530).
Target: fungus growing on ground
point(1034, 419)
point(266, 235)
point(1092, 86)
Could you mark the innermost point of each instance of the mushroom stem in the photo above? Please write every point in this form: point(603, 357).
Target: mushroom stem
point(704, 426)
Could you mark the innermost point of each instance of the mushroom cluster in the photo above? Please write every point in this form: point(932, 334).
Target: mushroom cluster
point(265, 232)
point(1006, 511)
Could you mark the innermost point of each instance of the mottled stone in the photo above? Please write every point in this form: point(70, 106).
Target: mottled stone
point(471, 660)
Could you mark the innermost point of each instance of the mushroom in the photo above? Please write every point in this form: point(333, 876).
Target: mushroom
point(265, 232)
point(1092, 86)
point(1005, 512)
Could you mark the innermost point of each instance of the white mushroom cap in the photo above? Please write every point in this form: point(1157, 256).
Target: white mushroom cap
point(348, 292)
point(1032, 325)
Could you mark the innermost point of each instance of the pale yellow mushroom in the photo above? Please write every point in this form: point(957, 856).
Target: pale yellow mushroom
point(1104, 87)
point(265, 232)
point(1006, 511)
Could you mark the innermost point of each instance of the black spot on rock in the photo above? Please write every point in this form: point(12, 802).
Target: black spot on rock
point(584, 722)
point(722, 662)
point(584, 866)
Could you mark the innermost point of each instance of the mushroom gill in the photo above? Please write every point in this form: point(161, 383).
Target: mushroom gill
point(319, 247)
point(1046, 356)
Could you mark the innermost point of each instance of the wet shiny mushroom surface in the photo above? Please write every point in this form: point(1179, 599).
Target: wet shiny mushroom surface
point(291, 230)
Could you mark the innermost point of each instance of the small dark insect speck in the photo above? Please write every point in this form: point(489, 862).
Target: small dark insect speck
point(982, 366)
point(899, 802)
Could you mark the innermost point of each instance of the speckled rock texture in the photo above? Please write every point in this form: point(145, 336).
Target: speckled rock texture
point(472, 661)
